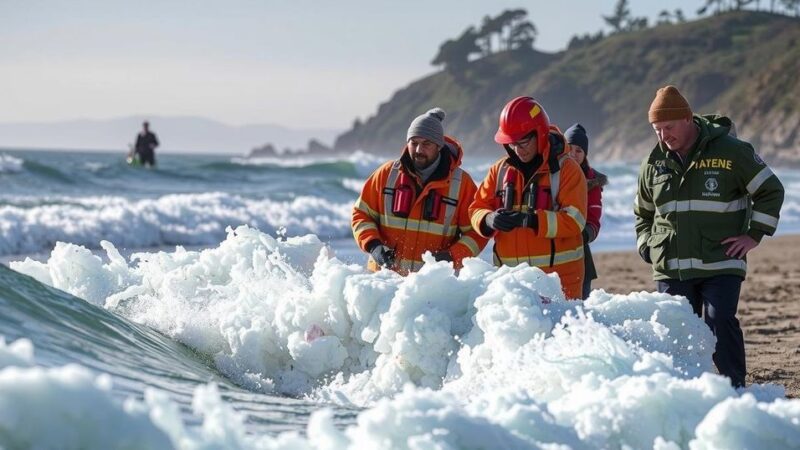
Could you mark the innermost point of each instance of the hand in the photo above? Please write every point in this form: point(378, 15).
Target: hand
point(645, 254)
point(504, 220)
point(383, 255)
point(740, 245)
point(443, 255)
point(531, 221)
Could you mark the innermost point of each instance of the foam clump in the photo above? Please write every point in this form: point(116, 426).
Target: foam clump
point(285, 314)
point(480, 358)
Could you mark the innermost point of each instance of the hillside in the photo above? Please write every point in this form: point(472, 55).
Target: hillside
point(743, 64)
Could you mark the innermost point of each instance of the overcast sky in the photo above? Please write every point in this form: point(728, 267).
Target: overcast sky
point(295, 63)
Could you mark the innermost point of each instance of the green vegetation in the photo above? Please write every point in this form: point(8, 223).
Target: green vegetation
point(509, 28)
point(743, 64)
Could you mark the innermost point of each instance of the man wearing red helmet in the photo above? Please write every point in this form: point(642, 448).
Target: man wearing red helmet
point(533, 201)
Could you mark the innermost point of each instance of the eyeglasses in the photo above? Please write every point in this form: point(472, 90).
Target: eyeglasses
point(522, 143)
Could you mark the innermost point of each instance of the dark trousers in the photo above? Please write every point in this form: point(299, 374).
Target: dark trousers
point(587, 288)
point(720, 295)
point(147, 156)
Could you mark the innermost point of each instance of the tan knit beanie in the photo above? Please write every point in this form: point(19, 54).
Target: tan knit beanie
point(669, 104)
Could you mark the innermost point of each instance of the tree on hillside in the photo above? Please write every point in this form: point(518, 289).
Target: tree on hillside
point(622, 21)
point(708, 4)
point(454, 53)
point(636, 24)
point(724, 5)
point(620, 17)
point(664, 17)
point(522, 35)
point(792, 6)
point(787, 7)
point(585, 40)
point(679, 17)
point(490, 27)
point(513, 20)
point(510, 28)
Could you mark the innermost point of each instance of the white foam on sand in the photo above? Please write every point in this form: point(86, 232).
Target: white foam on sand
point(486, 358)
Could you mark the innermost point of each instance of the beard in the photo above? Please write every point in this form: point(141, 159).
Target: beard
point(422, 162)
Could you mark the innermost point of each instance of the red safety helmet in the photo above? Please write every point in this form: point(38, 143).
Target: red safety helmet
point(519, 118)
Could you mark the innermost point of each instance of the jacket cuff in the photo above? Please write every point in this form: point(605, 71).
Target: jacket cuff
point(484, 230)
point(371, 245)
point(590, 233)
point(755, 234)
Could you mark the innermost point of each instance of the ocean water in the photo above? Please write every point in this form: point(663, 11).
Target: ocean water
point(262, 329)
point(189, 200)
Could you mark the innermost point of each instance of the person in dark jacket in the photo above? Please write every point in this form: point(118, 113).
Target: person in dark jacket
point(704, 200)
point(578, 142)
point(146, 143)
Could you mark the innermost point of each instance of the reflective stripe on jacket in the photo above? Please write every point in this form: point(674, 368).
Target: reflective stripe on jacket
point(557, 245)
point(415, 234)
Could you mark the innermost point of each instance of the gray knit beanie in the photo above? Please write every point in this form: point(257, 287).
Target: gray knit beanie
point(428, 126)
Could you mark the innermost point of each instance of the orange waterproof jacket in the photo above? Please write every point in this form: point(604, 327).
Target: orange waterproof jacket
point(557, 245)
point(446, 228)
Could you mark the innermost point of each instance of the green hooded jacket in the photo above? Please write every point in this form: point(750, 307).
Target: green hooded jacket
point(684, 211)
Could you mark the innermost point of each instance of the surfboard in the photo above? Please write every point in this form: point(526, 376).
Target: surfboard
point(133, 160)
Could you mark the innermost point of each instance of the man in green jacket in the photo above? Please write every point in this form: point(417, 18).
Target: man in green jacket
point(704, 200)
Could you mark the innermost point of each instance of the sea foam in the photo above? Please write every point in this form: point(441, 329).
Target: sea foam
point(481, 358)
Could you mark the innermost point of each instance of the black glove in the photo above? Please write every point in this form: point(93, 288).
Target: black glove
point(443, 255)
point(531, 221)
point(645, 254)
point(383, 255)
point(504, 220)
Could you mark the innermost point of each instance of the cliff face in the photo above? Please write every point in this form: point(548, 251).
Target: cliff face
point(745, 65)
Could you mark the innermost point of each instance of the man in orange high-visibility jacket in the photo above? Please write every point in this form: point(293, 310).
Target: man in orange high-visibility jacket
point(418, 203)
point(533, 201)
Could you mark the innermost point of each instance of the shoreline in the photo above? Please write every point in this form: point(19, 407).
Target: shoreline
point(769, 306)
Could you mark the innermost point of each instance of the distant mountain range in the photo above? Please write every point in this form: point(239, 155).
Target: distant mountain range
point(177, 135)
point(743, 64)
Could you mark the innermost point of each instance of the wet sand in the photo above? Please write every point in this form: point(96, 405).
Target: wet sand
point(769, 306)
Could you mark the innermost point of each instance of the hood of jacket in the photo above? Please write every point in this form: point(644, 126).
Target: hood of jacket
point(596, 179)
point(715, 125)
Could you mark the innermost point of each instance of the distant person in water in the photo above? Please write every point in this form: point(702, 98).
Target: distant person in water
point(146, 143)
point(418, 202)
point(578, 143)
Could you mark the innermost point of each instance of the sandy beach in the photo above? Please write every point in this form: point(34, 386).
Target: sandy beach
point(769, 306)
